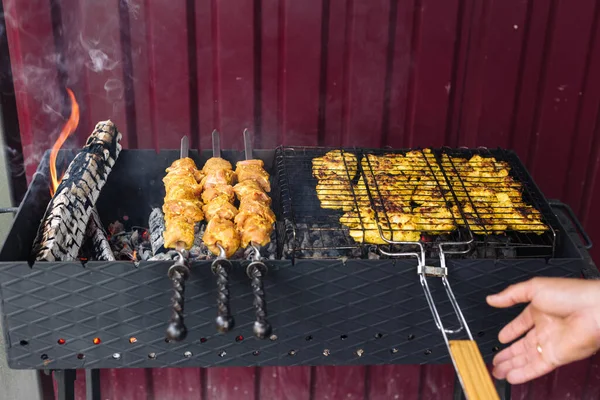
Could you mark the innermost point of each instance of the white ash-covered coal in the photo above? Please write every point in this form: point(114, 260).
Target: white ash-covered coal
point(313, 241)
point(63, 227)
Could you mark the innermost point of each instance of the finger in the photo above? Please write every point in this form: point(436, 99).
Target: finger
point(519, 293)
point(510, 352)
point(501, 370)
point(528, 372)
point(517, 327)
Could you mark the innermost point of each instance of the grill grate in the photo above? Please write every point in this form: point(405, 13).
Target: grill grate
point(378, 196)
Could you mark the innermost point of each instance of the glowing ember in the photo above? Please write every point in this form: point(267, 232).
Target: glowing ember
point(67, 130)
point(61, 341)
point(97, 340)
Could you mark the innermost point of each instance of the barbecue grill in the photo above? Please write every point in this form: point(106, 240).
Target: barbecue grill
point(331, 300)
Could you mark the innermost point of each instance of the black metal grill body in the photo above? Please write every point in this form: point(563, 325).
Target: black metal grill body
point(323, 311)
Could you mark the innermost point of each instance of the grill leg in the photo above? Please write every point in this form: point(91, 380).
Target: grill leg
point(92, 384)
point(65, 382)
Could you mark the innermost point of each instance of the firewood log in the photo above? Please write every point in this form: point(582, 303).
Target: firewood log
point(62, 230)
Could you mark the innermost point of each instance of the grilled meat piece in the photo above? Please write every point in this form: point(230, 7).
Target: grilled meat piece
point(221, 231)
point(187, 210)
point(255, 229)
point(178, 233)
point(250, 207)
point(334, 164)
point(216, 163)
point(220, 207)
point(251, 189)
point(218, 177)
point(337, 194)
point(212, 192)
point(254, 171)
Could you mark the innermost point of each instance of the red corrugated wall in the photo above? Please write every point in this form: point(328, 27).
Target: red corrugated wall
point(521, 74)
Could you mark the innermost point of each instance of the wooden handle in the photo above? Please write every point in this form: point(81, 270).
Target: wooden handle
point(471, 369)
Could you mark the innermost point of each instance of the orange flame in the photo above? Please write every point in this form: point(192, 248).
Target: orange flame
point(67, 130)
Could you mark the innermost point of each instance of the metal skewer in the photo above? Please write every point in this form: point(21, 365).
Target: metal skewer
point(221, 268)
point(179, 273)
point(256, 271)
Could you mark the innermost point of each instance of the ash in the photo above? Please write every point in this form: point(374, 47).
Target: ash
point(136, 244)
point(314, 241)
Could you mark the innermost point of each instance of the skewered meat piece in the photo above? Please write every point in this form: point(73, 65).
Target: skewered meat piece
point(220, 207)
point(218, 177)
point(253, 170)
point(255, 229)
point(184, 165)
point(221, 231)
point(335, 164)
point(181, 207)
point(252, 207)
point(216, 163)
point(178, 233)
point(187, 210)
point(252, 162)
point(251, 189)
point(213, 192)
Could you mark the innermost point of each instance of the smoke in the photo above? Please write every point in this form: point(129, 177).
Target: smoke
point(98, 60)
point(81, 46)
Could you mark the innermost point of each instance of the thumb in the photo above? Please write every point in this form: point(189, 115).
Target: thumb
point(519, 293)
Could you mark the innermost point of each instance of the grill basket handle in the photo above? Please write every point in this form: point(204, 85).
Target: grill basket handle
point(587, 242)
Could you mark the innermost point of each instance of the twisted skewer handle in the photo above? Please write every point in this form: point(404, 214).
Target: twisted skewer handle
point(256, 271)
point(221, 269)
point(176, 330)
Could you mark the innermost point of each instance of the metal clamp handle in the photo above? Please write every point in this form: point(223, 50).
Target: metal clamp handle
point(179, 273)
point(587, 242)
point(256, 271)
point(6, 210)
point(221, 268)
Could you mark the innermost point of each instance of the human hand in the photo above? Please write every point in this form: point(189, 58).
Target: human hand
point(561, 324)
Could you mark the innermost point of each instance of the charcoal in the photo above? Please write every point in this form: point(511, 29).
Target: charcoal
point(135, 238)
point(169, 255)
point(62, 229)
point(156, 223)
point(144, 253)
point(373, 256)
point(115, 228)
